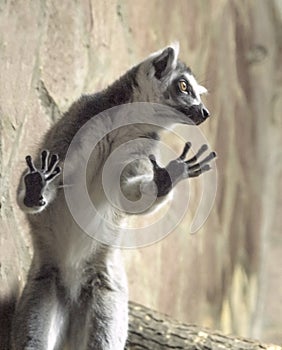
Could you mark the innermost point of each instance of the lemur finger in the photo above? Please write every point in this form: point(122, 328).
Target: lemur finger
point(185, 151)
point(44, 160)
point(197, 155)
point(54, 174)
point(201, 170)
point(53, 163)
point(153, 161)
point(211, 156)
point(30, 164)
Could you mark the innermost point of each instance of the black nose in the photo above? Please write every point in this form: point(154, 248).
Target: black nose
point(205, 113)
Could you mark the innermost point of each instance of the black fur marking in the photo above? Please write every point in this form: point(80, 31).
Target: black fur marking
point(162, 62)
point(194, 113)
point(176, 88)
point(189, 90)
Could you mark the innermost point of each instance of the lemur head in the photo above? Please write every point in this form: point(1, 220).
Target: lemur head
point(163, 78)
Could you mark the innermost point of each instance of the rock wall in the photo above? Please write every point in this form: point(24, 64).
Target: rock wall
point(228, 275)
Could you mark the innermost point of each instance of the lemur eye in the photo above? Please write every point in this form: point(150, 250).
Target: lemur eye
point(182, 86)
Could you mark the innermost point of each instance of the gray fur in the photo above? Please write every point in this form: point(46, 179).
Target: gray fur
point(76, 292)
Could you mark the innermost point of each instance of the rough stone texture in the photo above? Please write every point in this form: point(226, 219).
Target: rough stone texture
point(227, 276)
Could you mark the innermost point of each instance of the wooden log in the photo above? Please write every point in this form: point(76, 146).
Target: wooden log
point(150, 330)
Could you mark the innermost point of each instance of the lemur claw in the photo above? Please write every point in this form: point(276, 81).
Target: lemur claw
point(36, 179)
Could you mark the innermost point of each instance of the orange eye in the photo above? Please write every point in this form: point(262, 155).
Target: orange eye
point(182, 86)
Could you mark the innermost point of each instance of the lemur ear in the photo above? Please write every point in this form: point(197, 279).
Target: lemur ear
point(165, 61)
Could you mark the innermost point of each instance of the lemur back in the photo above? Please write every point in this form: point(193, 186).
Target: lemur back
point(76, 291)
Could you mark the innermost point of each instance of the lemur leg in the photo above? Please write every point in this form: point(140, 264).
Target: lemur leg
point(179, 169)
point(100, 321)
point(37, 186)
point(41, 314)
point(108, 330)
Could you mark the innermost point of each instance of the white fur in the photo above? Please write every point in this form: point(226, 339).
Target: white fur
point(175, 46)
point(55, 328)
point(202, 90)
point(198, 89)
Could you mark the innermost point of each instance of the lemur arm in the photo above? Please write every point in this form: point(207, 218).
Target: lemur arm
point(160, 181)
point(38, 185)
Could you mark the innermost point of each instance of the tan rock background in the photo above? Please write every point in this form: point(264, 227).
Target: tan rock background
point(229, 274)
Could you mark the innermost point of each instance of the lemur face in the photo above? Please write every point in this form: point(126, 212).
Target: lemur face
point(184, 94)
point(172, 83)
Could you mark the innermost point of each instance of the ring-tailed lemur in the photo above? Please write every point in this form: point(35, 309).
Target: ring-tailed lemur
point(76, 291)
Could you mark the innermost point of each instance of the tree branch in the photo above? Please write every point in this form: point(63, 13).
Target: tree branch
point(150, 330)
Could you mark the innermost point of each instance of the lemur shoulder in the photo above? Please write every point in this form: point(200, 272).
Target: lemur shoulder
point(76, 291)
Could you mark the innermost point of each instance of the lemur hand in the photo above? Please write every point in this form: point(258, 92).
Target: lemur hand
point(178, 169)
point(36, 179)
